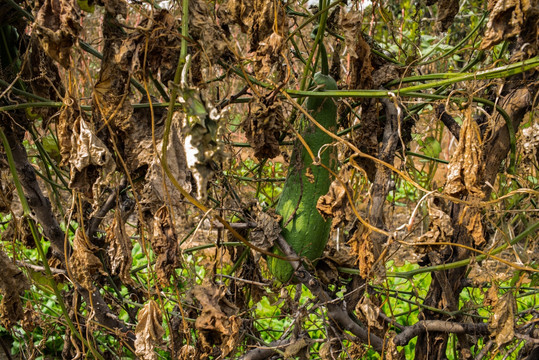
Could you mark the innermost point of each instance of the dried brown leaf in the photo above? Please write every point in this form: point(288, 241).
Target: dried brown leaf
point(119, 249)
point(446, 14)
point(362, 248)
point(472, 219)
point(57, 25)
point(203, 28)
point(114, 7)
point(149, 331)
point(91, 161)
point(463, 169)
point(440, 228)
point(297, 349)
point(370, 313)
point(491, 297)
point(267, 229)
point(502, 321)
point(218, 323)
point(13, 283)
point(154, 190)
point(263, 128)
point(335, 205)
point(165, 245)
point(85, 265)
point(331, 350)
point(506, 20)
point(361, 68)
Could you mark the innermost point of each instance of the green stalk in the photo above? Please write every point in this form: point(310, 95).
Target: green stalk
point(35, 234)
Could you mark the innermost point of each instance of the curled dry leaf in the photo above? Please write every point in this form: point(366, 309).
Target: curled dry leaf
point(85, 265)
point(165, 245)
point(154, 188)
point(91, 161)
point(218, 323)
point(363, 250)
point(114, 7)
point(502, 321)
point(187, 352)
point(203, 28)
point(440, 227)
point(331, 350)
point(57, 25)
point(471, 218)
point(463, 169)
point(156, 40)
point(491, 297)
point(335, 205)
point(263, 129)
point(119, 249)
point(149, 331)
point(360, 52)
point(267, 229)
point(506, 20)
point(297, 349)
point(446, 14)
point(370, 312)
point(13, 283)
point(6, 192)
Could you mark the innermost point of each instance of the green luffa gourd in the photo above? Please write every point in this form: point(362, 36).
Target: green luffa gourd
point(307, 232)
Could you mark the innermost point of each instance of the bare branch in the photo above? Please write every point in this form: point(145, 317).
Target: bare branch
point(439, 326)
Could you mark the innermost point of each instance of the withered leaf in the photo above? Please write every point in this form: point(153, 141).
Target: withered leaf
point(165, 245)
point(446, 14)
point(506, 20)
point(13, 283)
point(471, 218)
point(155, 181)
point(502, 321)
point(91, 161)
point(330, 350)
point(267, 229)
point(149, 331)
point(218, 324)
point(361, 67)
point(114, 7)
point(58, 28)
point(298, 348)
point(263, 128)
point(362, 248)
point(463, 169)
point(119, 249)
point(335, 205)
point(85, 265)
point(370, 312)
point(440, 228)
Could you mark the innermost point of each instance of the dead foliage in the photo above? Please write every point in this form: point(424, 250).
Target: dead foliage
point(335, 204)
point(13, 283)
point(58, 28)
point(362, 247)
point(465, 164)
point(267, 229)
point(446, 13)
point(149, 331)
point(502, 320)
point(359, 50)
point(165, 245)
point(263, 128)
point(84, 263)
point(440, 227)
point(507, 19)
point(218, 323)
point(119, 249)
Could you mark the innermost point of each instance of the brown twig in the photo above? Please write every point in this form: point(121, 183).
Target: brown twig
point(439, 326)
point(335, 312)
